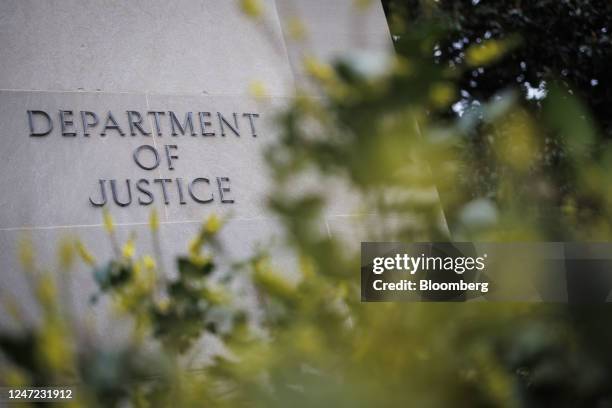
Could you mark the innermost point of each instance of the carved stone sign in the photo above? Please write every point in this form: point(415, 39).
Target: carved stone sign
point(126, 192)
point(137, 106)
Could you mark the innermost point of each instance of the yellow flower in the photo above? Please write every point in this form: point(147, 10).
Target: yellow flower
point(143, 280)
point(66, 254)
point(129, 248)
point(441, 94)
point(257, 89)
point(272, 281)
point(213, 224)
point(318, 70)
point(85, 255)
point(109, 226)
point(148, 262)
point(46, 291)
point(54, 348)
point(154, 220)
point(200, 260)
point(194, 246)
point(487, 52)
point(251, 8)
point(216, 295)
point(137, 272)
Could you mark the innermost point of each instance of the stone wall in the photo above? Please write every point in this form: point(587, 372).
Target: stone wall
point(151, 56)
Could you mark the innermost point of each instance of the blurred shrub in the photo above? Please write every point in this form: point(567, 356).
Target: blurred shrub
point(377, 126)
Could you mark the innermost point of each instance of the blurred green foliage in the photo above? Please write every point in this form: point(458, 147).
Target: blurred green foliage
point(384, 133)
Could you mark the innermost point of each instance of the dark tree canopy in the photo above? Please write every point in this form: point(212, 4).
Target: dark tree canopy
point(562, 40)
